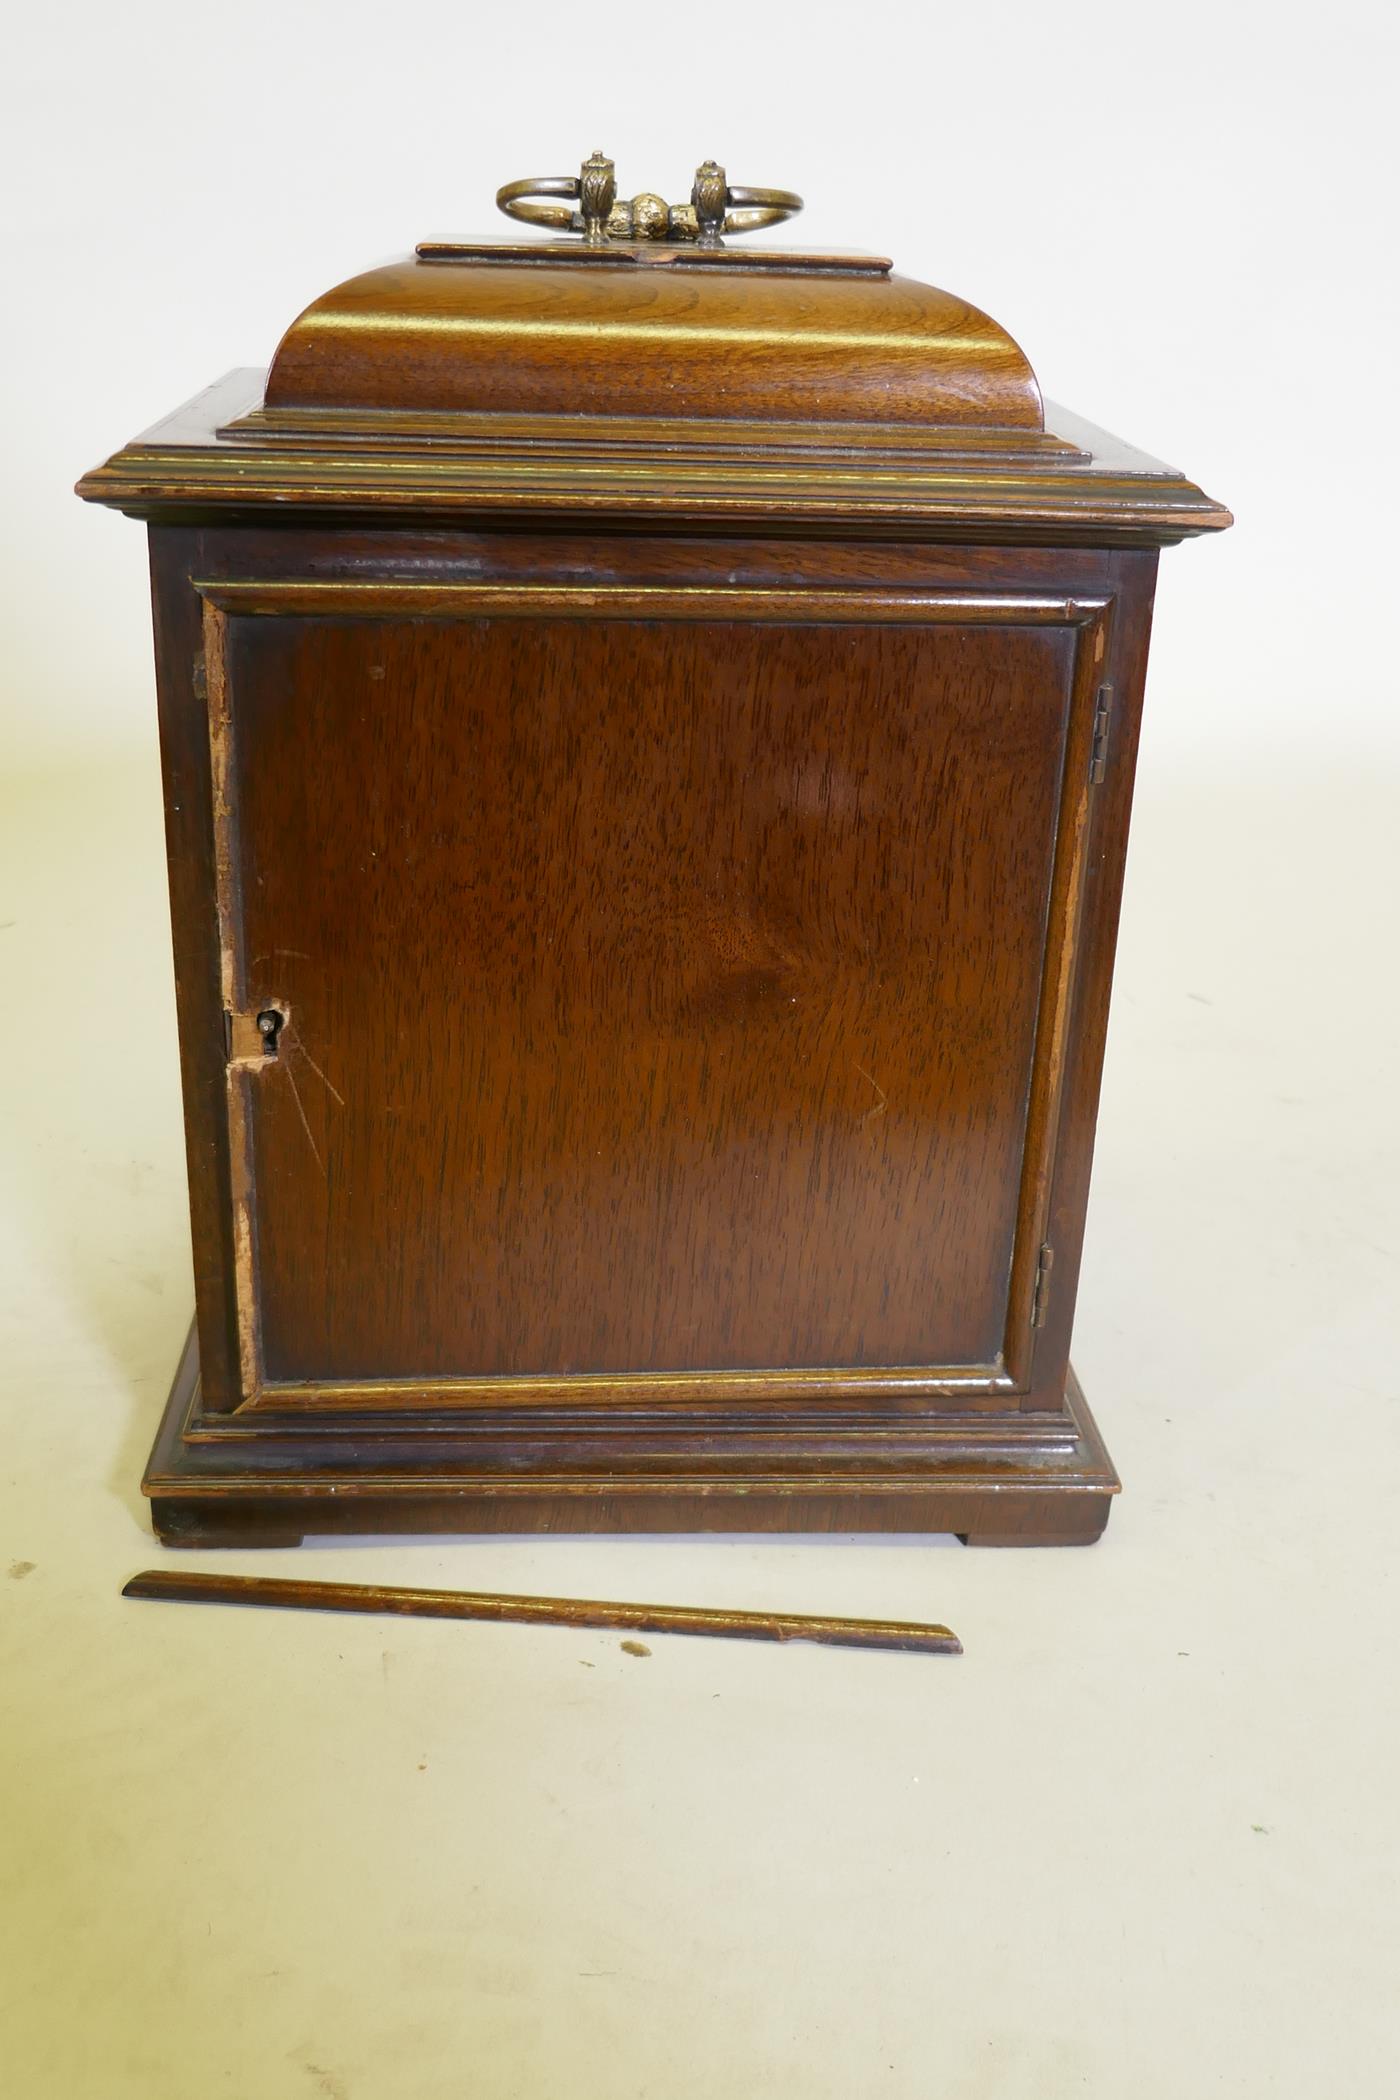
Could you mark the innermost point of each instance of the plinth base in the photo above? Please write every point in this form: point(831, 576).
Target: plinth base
point(1004, 1479)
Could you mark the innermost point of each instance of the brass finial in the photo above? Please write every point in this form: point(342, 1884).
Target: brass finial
point(708, 199)
point(597, 191)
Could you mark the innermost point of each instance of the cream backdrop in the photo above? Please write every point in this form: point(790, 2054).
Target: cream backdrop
point(1184, 213)
point(1144, 1838)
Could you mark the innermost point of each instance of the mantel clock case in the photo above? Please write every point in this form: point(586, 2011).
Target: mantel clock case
point(648, 729)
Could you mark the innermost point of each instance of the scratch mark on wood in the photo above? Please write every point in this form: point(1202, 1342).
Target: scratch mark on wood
point(296, 1096)
point(298, 1043)
point(881, 1105)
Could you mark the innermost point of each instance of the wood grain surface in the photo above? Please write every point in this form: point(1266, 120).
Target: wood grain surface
point(635, 338)
point(695, 1034)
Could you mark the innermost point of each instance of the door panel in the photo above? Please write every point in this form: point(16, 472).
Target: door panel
point(665, 998)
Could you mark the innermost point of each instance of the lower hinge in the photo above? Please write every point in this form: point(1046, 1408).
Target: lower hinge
point(1098, 749)
point(1040, 1296)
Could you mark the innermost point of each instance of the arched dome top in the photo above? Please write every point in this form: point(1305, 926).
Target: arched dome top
point(545, 328)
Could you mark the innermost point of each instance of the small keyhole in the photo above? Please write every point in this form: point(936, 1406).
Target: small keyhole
point(269, 1028)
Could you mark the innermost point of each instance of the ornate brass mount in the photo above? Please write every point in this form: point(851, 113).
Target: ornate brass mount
point(715, 208)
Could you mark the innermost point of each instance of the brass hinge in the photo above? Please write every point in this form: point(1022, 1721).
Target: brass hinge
point(199, 676)
point(1098, 749)
point(1040, 1296)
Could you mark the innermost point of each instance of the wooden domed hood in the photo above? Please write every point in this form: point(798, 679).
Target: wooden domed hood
point(634, 362)
point(656, 333)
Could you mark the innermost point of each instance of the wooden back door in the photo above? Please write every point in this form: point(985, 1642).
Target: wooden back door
point(646, 991)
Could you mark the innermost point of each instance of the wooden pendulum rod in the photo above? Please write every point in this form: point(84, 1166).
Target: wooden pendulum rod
point(294, 1595)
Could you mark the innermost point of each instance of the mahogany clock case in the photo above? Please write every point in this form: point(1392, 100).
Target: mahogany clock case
point(647, 752)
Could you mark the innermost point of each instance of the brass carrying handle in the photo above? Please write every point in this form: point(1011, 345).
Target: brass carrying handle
point(597, 212)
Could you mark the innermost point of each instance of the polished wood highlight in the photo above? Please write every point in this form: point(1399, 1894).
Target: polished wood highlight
point(634, 333)
point(186, 1586)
